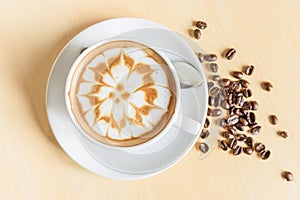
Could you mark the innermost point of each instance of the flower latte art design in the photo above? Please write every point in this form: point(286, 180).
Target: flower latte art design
point(122, 93)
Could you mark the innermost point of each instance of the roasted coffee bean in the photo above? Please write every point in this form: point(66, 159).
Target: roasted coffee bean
point(215, 77)
point(239, 101)
point(236, 86)
point(231, 110)
point(239, 112)
point(237, 74)
point(248, 70)
point(267, 86)
point(247, 93)
point(232, 120)
point(210, 57)
point(224, 82)
point(203, 147)
point(223, 145)
point(230, 99)
point(210, 85)
point(82, 50)
point(237, 150)
point(259, 147)
point(229, 53)
point(211, 100)
point(204, 133)
point(288, 175)
point(214, 90)
point(282, 134)
point(197, 34)
point(213, 67)
point(217, 102)
point(255, 130)
point(221, 95)
point(206, 123)
point(216, 112)
point(225, 105)
point(232, 130)
point(209, 111)
point(201, 24)
point(248, 150)
point(223, 123)
point(241, 137)
point(225, 134)
point(265, 154)
point(253, 105)
point(246, 105)
point(249, 142)
point(251, 117)
point(243, 121)
point(244, 83)
point(273, 119)
point(239, 127)
point(200, 57)
point(232, 143)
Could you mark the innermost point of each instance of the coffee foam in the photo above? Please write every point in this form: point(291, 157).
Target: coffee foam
point(122, 93)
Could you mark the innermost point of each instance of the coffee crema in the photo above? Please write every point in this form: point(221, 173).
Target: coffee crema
point(122, 93)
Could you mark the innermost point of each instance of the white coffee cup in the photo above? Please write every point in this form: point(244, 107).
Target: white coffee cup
point(176, 118)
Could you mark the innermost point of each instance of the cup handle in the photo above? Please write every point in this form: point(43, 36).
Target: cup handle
point(188, 124)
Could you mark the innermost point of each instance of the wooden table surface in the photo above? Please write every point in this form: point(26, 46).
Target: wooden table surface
point(265, 33)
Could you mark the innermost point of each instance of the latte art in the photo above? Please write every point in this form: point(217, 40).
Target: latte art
point(122, 93)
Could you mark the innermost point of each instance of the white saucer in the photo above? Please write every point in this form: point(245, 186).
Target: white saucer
point(87, 153)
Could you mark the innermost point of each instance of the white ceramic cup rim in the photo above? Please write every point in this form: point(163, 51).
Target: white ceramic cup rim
point(174, 116)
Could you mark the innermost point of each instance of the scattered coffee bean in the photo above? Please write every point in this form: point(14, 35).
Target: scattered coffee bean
point(243, 121)
point(246, 105)
point(216, 78)
point(216, 112)
point(259, 147)
point(209, 111)
point(237, 74)
point(82, 50)
point(211, 100)
point(200, 24)
point(288, 175)
point(232, 130)
point(229, 53)
point(248, 70)
point(225, 134)
point(224, 82)
point(282, 134)
point(225, 105)
point(207, 123)
point(197, 34)
point(204, 133)
point(244, 83)
point(203, 147)
point(255, 130)
point(241, 137)
point(265, 154)
point(200, 57)
point(213, 67)
point(239, 101)
point(247, 93)
point(223, 123)
point(239, 127)
point(253, 105)
point(218, 101)
point(214, 90)
point(273, 119)
point(210, 85)
point(252, 125)
point(249, 142)
point(267, 86)
point(237, 150)
point(210, 57)
point(232, 143)
point(223, 145)
point(248, 150)
point(251, 117)
point(232, 120)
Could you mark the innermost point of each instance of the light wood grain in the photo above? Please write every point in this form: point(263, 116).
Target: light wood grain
point(265, 33)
